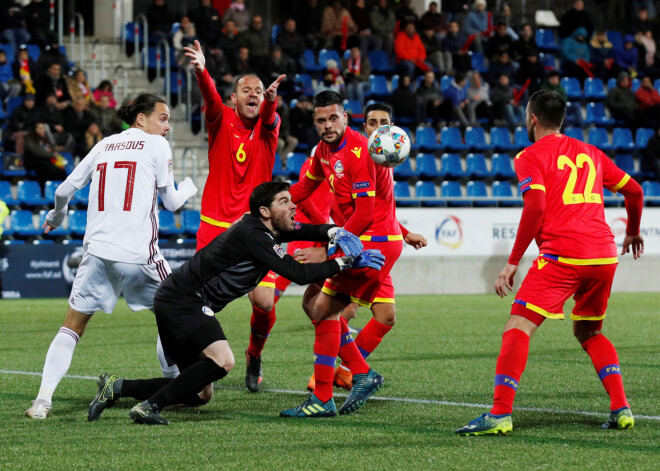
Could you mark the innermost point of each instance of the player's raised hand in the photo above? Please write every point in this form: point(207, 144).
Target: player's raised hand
point(505, 280)
point(636, 243)
point(415, 240)
point(271, 92)
point(53, 220)
point(196, 56)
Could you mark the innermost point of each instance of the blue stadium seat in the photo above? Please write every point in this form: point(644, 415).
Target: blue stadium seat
point(615, 38)
point(427, 195)
point(328, 54)
point(310, 61)
point(610, 199)
point(451, 140)
point(476, 166)
point(81, 197)
point(651, 193)
point(445, 82)
point(520, 137)
point(22, 224)
point(402, 195)
point(190, 220)
point(598, 137)
point(274, 33)
point(477, 61)
point(626, 163)
point(394, 83)
point(42, 242)
point(475, 139)
point(13, 242)
point(572, 87)
point(548, 61)
point(656, 84)
point(611, 83)
point(378, 86)
point(427, 167)
point(49, 190)
point(404, 171)
point(380, 63)
point(500, 139)
point(9, 50)
point(594, 89)
point(502, 193)
point(622, 139)
point(596, 115)
point(425, 138)
point(354, 108)
point(642, 137)
point(502, 167)
point(59, 232)
point(294, 162)
point(6, 195)
point(571, 109)
point(18, 171)
point(77, 222)
point(635, 84)
point(575, 133)
point(278, 171)
point(304, 84)
point(477, 189)
point(13, 103)
point(451, 167)
point(29, 194)
point(167, 224)
point(545, 40)
point(453, 189)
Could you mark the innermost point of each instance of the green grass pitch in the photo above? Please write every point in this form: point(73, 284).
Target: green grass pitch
point(442, 350)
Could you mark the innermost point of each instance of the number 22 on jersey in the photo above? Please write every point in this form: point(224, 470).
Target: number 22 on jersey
point(130, 182)
point(569, 196)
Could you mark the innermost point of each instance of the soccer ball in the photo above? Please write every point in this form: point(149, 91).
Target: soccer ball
point(389, 146)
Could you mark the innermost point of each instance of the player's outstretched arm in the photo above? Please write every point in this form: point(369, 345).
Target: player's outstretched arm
point(271, 92)
point(211, 96)
point(55, 217)
point(196, 56)
point(174, 198)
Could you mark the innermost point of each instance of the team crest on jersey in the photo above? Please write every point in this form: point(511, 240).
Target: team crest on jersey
point(356, 150)
point(296, 225)
point(279, 250)
point(339, 167)
point(207, 310)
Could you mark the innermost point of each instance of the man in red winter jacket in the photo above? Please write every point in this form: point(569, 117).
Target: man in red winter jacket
point(410, 51)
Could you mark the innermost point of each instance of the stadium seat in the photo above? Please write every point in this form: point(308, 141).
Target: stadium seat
point(475, 139)
point(59, 232)
point(651, 193)
point(427, 167)
point(520, 137)
point(615, 38)
point(477, 191)
point(81, 197)
point(17, 171)
point(500, 139)
point(304, 84)
point(451, 167)
point(656, 84)
point(378, 86)
point(571, 109)
point(310, 62)
point(29, 194)
point(425, 192)
point(13, 103)
point(594, 89)
point(635, 84)
point(610, 199)
point(596, 115)
point(451, 140)
point(622, 139)
point(380, 63)
point(278, 171)
point(6, 195)
point(402, 194)
point(404, 171)
point(642, 137)
point(274, 33)
point(49, 190)
point(9, 50)
point(167, 224)
point(476, 166)
point(503, 194)
point(77, 222)
point(477, 61)
point(453, 189)
point(626, 163)
point(572, 87)
point(294, 162)
point(394, 82)
point(545, 39)
point(190, 220)
point(22, 224)
point(353, 108)
point(445, 82)
point(575, 133)
point(598, 137)
point(425, 138)
point(548, 61)
point(328, 54)
point(501, 166)
point(42, 242)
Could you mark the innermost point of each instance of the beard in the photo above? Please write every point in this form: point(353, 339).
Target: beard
point(530, 134)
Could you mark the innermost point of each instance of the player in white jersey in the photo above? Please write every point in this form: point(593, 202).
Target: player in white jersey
point(127, 171)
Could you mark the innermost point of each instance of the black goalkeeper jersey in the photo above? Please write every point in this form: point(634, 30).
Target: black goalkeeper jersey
point(236, 261)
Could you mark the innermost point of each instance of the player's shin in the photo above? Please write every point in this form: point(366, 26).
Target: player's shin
point(58, 360)
point(510, 366)
point(370, 336)
point(261, 324)
point(606, 361)
point(326, 348)
point(349, 352)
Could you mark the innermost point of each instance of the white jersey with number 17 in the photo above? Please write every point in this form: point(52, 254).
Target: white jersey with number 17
point(126, 171)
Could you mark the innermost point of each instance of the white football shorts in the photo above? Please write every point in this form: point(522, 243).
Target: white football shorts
point(99, 282)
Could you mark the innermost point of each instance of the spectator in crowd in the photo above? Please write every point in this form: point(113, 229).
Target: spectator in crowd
point(53, 82)
point(601, 53)
point(612, 14)
point(552, 82)
point(454, 9)
point(433, 106)
point(308, 21)
point(208, 23)
point(104, 116)
point(457, 95)
point(650, 158)
point(37, 19)
point(276, 65)
point(285, 141)
point(409, 51)
point(575, 55)
point(405, 13)
point(41, 157)
point(185, 36)
point(505, 16)
point(479, 104)
point(78, 86)
point(242, 63)
point(220, 68)
point(76, 121)
point(505, 104)
point(238, 13)
point(51, 55)
point(93, 136)
point(9, 86)
point(501, 64)
point(160, 21)
point(23, 120)
point(12, 24)
point(105, 89)
point(530, 69)
point(53, 117)
point(453, 43)
point(331, 79)
point(500, 42)
point(292, 43)
point(626, 56)
point(23, 68)
point(640, 22)
point(383, 23)
point(257, 40)
point(435, 56)
point(337, 25)
point(404, 101)
point(434, 20)
point(574, 18)
point(476, 22)
point(648, 100)
point(228, 40)
point(622, 103)
point(367, 40)
point(356, 70)
point(302, 123)
point(526, 43)
point(648, 48)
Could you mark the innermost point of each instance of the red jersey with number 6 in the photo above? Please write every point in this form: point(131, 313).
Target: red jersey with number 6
point(572, 174)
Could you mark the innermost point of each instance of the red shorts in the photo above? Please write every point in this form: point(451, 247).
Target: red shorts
point(549, 284)
point(291, 248)
point(367, 286)
point(206, 233)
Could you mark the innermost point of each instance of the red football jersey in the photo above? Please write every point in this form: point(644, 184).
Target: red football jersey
point(572, 174)
point(320, 203)
point(352, 174)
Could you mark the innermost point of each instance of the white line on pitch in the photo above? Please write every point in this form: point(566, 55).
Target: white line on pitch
point(392, 399)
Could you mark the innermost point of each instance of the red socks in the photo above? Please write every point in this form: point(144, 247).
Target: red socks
point(371, 336)
point(326, 347)
point(510, 366)
point(261, 323)
point(606, 361)
point(349, 352)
